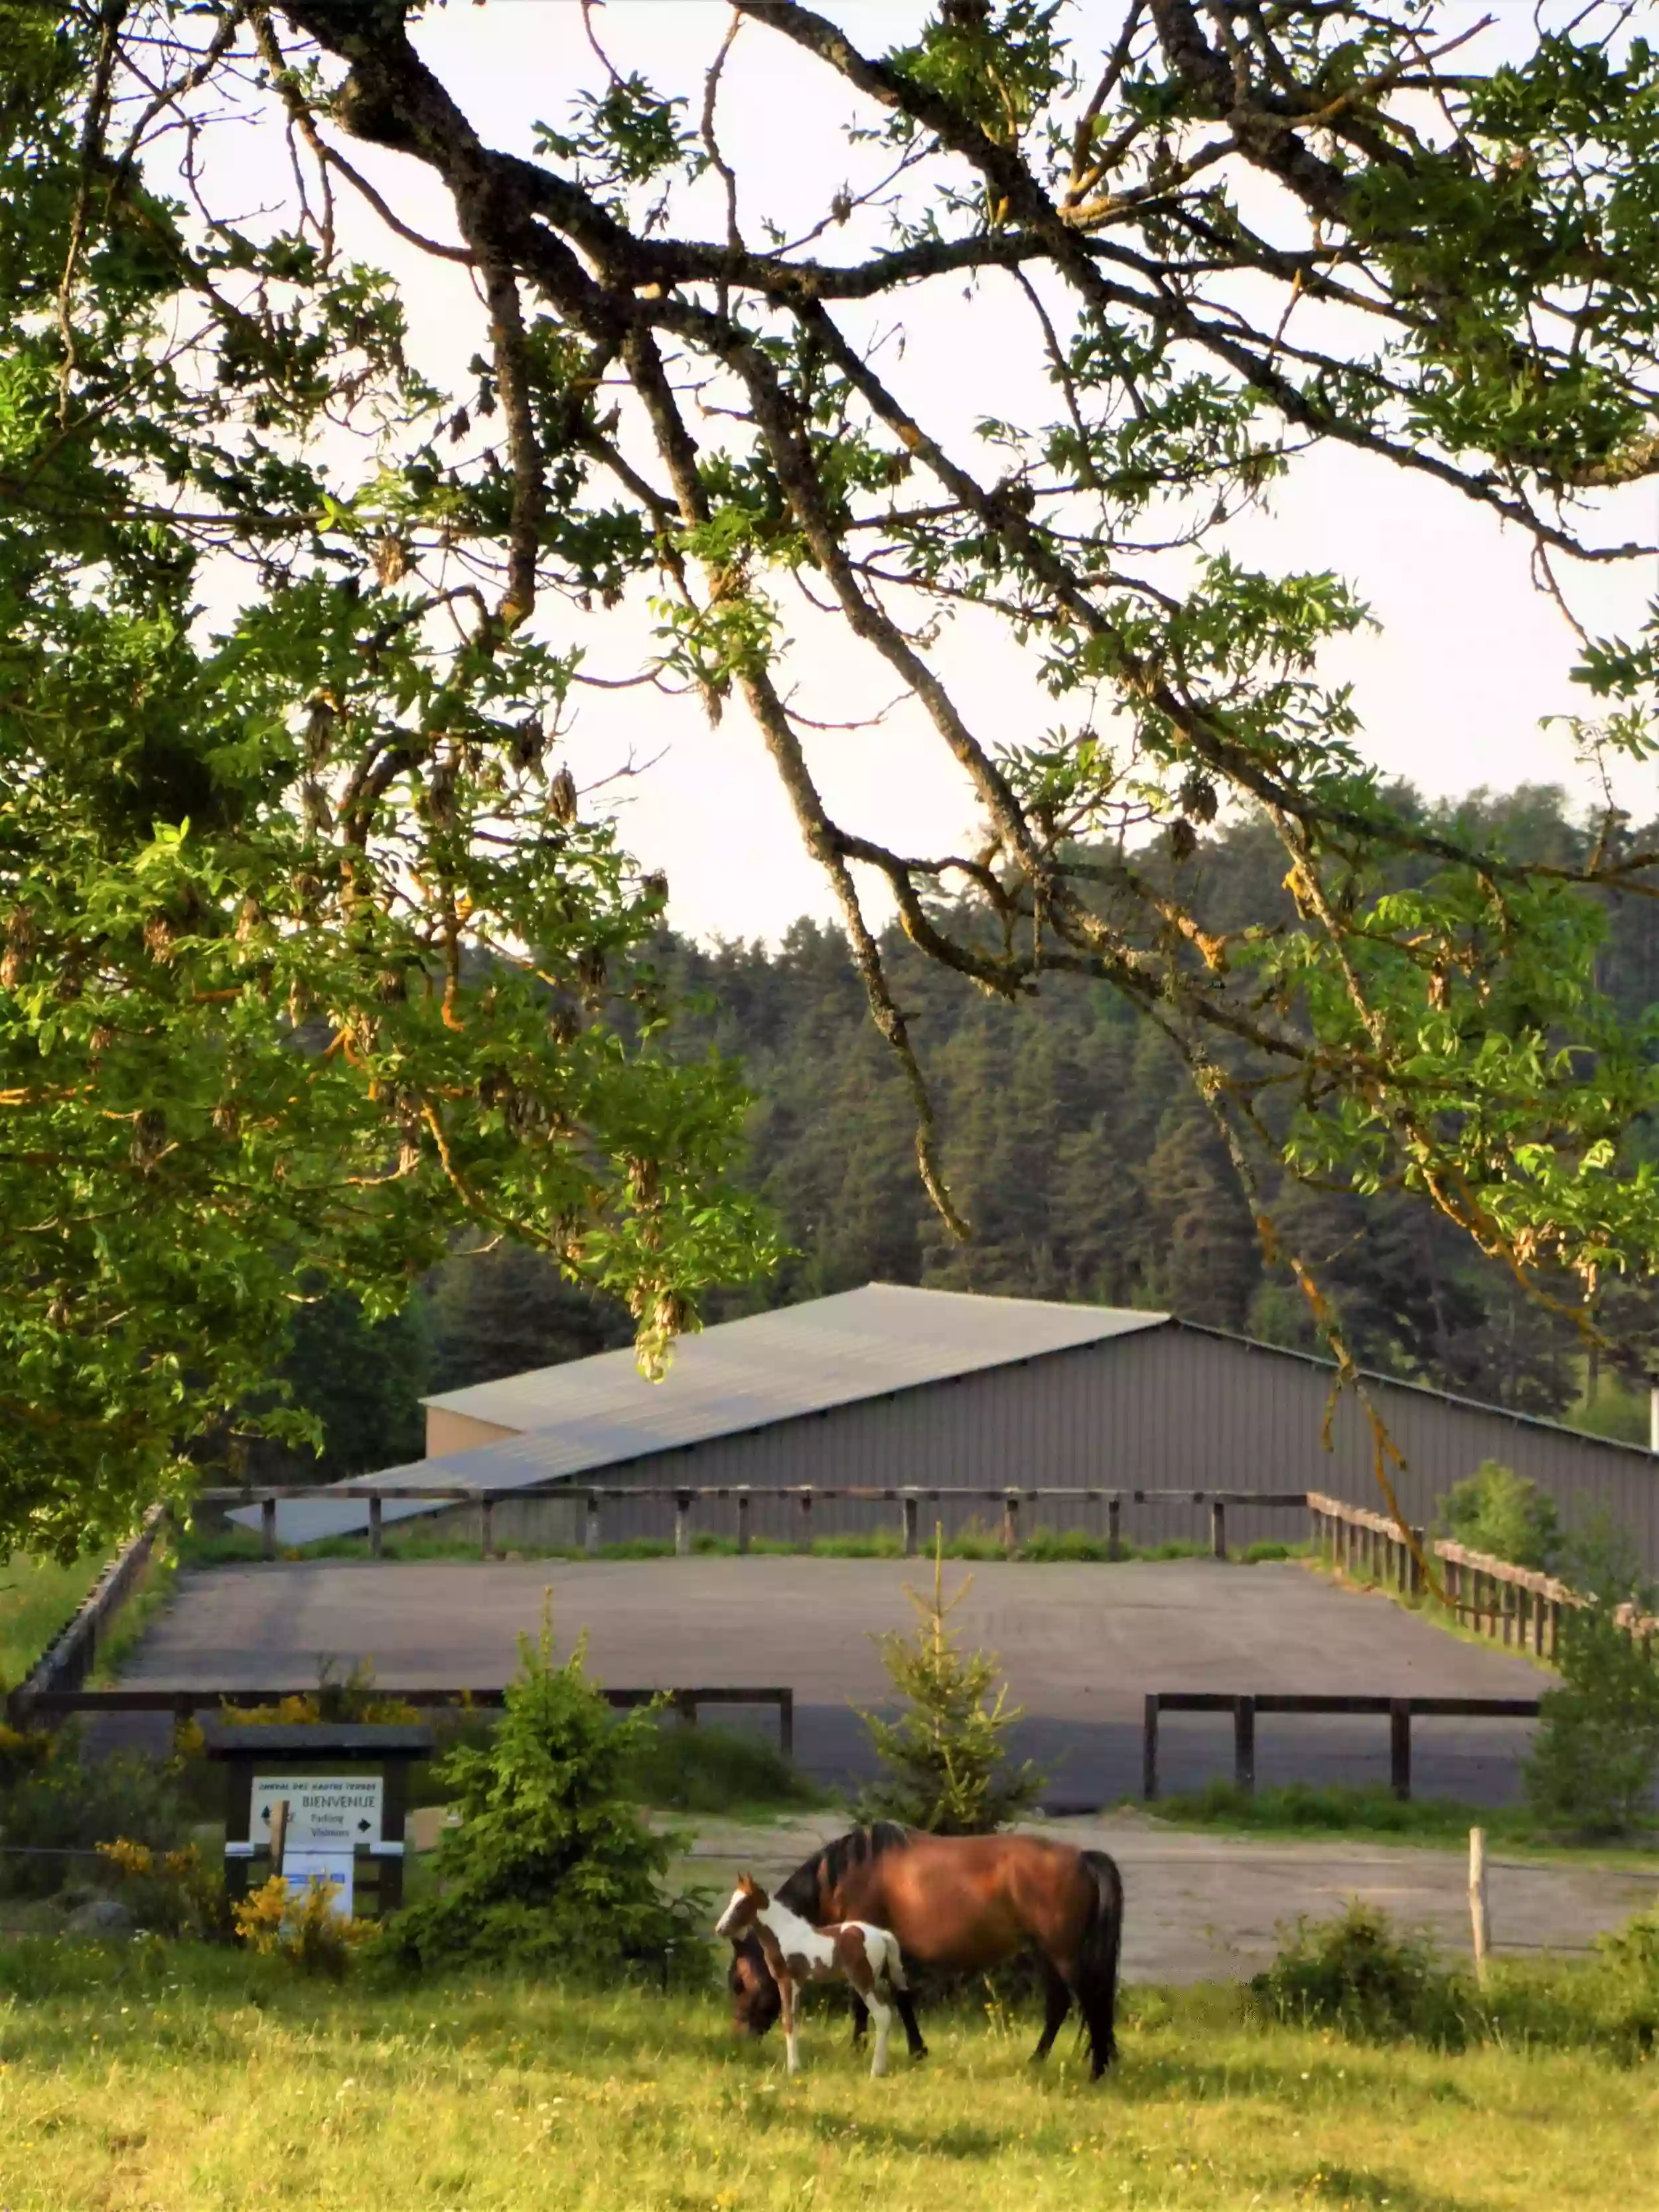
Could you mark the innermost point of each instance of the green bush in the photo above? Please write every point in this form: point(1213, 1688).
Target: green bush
point(60, 1810)
point(714, 1770)
point(1595, 1755)
point(943, 1760)
point(1361, 1975)
point(1498, 1511)
point(1062, 1544)
point(553, 1864)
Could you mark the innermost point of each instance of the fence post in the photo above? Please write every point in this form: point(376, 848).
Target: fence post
point(1479, 1919)
point(1114, 1528)
point(806, 1517)
point(376, 1508)
point(743, 1519)
point(1555, 1627)
point(1399, 1748)
point(591, 1532)
point(1219, 1528)
point(1149, 1748)
point(1538, 1624)
point(268, 1527)
point(682, 1524)
point(685, 1705)
point(1010, 1524)
point(487, 1527)
point(1414, 1567)
point(909, 1508)
point(786, 1724)
point(1244, 1746)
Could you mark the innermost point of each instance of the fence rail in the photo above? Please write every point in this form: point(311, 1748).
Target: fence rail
point(908, 1498)
point(184, 1705)
point(1512, 1605)
point(1401, 1712)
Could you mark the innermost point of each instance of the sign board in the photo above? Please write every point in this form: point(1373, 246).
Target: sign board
point(326, 1812)
point(301, 1868)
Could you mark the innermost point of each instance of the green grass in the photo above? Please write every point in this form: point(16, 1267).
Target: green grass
point(1375, 1815)
point(203, 2082)
point(230, 1546)
point(37, 1597)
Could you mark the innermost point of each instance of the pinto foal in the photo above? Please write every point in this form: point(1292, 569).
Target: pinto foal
point(796, 1952)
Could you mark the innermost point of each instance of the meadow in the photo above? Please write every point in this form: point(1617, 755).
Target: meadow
point(189, 2081)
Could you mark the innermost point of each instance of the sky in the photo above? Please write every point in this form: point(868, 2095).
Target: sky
point(1453, 688)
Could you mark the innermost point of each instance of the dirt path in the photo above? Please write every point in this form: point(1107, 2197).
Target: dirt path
point(1205, 1908)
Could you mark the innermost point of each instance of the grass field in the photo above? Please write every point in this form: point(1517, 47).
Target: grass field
point(37, 1596)
point(189, 2081)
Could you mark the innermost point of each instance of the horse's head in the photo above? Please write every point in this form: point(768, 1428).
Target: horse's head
point(754, 2000)
point(748, 1901)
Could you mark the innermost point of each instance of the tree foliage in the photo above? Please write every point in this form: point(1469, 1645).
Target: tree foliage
point(943, 1759)
point(308, 955)
point(1222, 236)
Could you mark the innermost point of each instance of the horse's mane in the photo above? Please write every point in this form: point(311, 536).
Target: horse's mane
point(809, 1883)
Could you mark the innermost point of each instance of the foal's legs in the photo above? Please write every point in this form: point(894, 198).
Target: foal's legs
point(1056, 2003)
point(882, 2016)
point(791, 2044)
point(860, 2017)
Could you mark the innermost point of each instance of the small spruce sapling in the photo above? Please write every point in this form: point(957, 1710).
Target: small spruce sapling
point(944, 1758)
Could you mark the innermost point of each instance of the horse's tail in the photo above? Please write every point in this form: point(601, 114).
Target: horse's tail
point(1097, 1956)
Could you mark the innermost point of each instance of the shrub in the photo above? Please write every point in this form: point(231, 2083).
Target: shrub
point(1595, 1755)
point(712, 1770)
point(171, 1893)
point(306, 1932)
point(944, 1757)
point(22, 1751)
point(552, 1862)
point(350, 1696)
point(1498, 1511)
point(1361, 1975)
point(1062, 1544)
point(60, 1809)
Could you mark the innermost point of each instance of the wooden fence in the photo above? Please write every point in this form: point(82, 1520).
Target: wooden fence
point(1512, 1605)
point(1401, 1712)
point(183, 1705)
point(908, 1500)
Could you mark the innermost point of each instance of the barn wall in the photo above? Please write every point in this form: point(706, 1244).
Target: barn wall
point(459, 1432)
point(1169, 1407)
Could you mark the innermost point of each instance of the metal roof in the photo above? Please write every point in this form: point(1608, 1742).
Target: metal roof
point(769, 1367)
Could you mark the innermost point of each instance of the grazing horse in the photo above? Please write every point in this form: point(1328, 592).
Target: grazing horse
point(962, 1902)
point(796, 1952)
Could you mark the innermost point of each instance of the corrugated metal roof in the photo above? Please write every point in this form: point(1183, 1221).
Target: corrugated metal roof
point(770, 1367)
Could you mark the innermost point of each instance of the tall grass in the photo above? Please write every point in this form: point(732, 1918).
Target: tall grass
point(37, 1597)
point(210, 2083)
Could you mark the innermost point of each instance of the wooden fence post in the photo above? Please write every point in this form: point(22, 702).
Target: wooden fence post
point(376, 1509)
point(1479, 1918)
point(806, 1517)
point(268, 1527)
point(1219, 1528)
point(1149, 1748)
point(1244, 1746)
point(786, 1724)
point(487, 1527)
point(590, 1531)
point(1114, 1528)
point(1399, 1748)
point(742, 1520)
point(909, 1512)
point(1010, 1524)
point(682, 1524)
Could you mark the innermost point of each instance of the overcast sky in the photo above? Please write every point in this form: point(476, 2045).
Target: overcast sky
point(1468, 661)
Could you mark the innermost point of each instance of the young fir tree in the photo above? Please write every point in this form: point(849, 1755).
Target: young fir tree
point(553, 1862)
point(942, 1760)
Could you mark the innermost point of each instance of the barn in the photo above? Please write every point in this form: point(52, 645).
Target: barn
point(890, 1385)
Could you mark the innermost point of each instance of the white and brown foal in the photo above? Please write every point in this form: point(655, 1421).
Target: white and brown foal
point(796, 1952)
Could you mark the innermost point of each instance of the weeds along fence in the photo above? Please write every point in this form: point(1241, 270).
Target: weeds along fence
point(1514, 1606)
point(72, 1654)
point(794, 1513)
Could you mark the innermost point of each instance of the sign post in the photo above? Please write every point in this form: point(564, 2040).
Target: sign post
point(282, 1819)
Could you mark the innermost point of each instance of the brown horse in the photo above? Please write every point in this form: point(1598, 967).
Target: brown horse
point(963, 1902)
